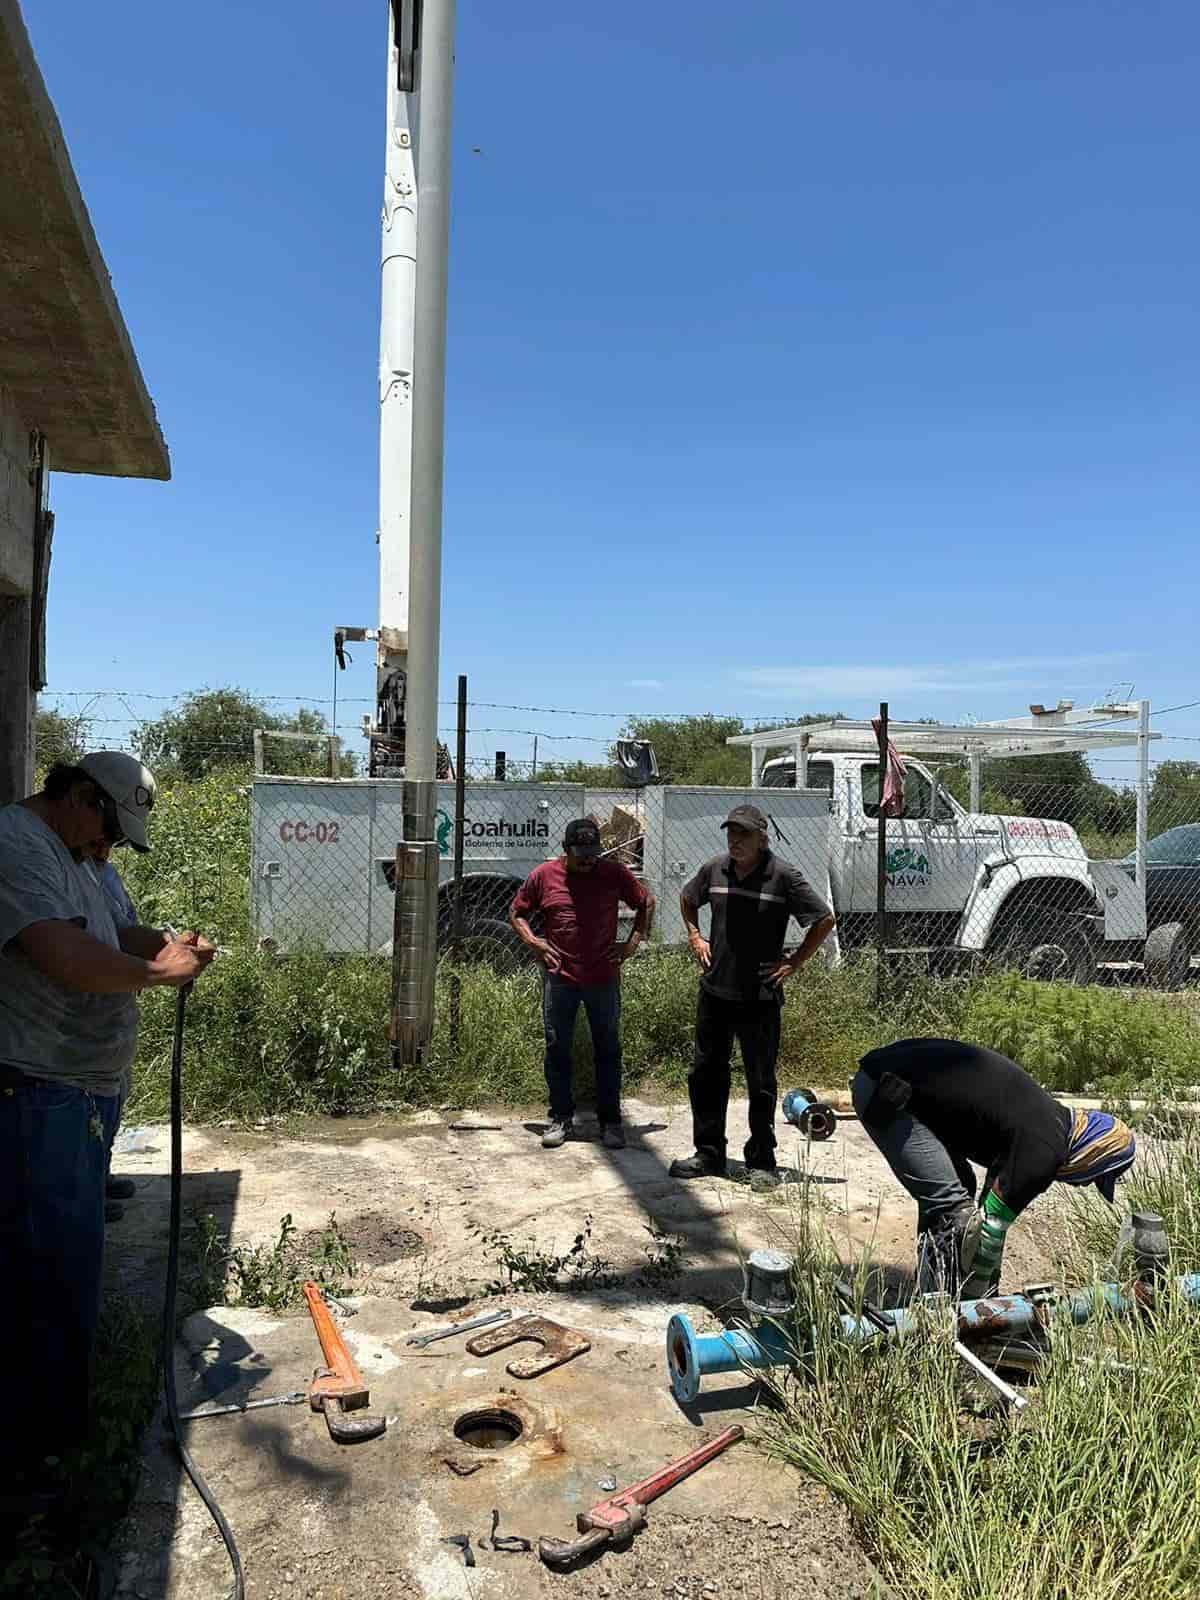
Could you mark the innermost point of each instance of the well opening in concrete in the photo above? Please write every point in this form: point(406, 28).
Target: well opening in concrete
point(489, 1428)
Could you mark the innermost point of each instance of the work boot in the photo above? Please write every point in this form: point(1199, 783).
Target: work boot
point(119, 1188)
point(613, 1135)
point(112, 1211)
point(696, 1166)
point(557, 1133)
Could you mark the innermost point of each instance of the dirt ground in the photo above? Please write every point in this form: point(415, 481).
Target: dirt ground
point(416, 1200)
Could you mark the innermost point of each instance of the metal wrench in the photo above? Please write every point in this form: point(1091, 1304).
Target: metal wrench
point(422, 1339)
point(296, 1399)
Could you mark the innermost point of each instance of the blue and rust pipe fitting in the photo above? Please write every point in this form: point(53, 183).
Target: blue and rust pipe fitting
point(767, 1341)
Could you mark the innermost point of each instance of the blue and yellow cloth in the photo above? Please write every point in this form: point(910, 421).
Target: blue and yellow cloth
point(1100, 1149)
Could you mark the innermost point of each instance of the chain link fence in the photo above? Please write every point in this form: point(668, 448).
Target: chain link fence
point(1040, 875)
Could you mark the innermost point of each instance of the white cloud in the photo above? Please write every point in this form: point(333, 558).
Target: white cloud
point(855, 681)
point(645, 683)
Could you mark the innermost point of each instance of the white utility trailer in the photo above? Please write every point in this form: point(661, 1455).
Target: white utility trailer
point(323, 851)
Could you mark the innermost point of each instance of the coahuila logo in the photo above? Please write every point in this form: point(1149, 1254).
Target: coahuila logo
point(521, 838)
point(907, 868)
point(445, 827)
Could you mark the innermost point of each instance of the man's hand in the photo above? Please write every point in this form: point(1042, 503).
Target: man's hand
point(622, 951)
point(699, 947)
point(778, 972)
point(179, 963)
point(550, 958)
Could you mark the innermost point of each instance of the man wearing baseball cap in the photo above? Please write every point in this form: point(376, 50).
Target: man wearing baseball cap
point(577, 895)
point(68, 1026)
point(752, 895)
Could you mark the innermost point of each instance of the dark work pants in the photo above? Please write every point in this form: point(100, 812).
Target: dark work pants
point(52, 1162)
point(560, 1007)
point(755, 1026)
point(942, 1183)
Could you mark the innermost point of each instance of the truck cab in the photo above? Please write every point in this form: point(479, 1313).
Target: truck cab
point(958, 884)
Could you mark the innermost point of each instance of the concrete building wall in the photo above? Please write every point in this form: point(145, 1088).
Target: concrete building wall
point(17, 508)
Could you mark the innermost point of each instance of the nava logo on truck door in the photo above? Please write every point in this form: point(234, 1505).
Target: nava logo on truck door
point(907, 868)
point(495, 837)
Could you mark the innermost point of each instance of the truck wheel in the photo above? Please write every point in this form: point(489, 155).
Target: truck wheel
point(1051, 952)
point(1167, 958)
point(492, 943)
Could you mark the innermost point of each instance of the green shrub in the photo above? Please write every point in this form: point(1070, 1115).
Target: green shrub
point(1086, 1041)
point(197, 872)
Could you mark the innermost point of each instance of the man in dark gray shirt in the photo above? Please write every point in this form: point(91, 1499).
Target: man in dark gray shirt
point(752, 895)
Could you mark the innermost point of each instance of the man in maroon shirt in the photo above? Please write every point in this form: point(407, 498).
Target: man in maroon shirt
point(577, 896)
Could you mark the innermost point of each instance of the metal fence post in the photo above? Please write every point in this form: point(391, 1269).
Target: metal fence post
point(1143, 793)
point(881, 864)
point(460, 807)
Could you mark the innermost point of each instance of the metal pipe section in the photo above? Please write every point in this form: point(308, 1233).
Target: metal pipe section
point(1009, 1314)
point(436, 55)
point(415, 955)
point(692, 1357)
point(398, 268)
point(414, 928)
point(975, 768)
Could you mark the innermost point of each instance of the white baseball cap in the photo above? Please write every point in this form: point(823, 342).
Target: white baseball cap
point(130, 787)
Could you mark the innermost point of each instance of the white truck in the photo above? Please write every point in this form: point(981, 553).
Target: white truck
point(960, 883)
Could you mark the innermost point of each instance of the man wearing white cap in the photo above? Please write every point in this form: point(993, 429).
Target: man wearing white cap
point(68, 1025)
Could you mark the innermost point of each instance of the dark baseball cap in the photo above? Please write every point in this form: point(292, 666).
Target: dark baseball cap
point(583, 836)
point(746, 817)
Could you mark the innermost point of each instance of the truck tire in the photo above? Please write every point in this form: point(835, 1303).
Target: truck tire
point(1167, 959)
point(493, 943)
point(1056, 950)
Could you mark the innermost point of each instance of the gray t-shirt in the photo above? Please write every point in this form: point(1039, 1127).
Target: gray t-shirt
point(50, 1032)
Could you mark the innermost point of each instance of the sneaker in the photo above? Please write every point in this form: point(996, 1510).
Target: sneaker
point(557, 1133)
point(613, 1135)
point(696, 1166)
point(119, 1188)
point(112, 1211)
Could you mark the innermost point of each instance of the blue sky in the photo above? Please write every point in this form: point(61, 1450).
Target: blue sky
point(797, 357)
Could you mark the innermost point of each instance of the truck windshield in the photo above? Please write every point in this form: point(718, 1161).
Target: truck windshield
point(781, 774)
point(918, 795)
point(1178, 847)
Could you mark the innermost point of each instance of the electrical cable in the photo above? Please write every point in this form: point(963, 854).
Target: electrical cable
point(168, 1325)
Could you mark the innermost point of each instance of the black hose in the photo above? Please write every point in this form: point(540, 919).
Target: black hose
point(168, 1325)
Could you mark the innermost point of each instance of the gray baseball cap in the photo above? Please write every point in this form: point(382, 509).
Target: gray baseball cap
point(746, 816)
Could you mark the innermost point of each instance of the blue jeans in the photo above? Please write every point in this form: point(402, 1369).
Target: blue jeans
point(560, 1007)
point(942, 1184)
point(52, 1162)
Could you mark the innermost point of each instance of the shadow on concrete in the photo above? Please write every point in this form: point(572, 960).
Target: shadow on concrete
point(135, 1270)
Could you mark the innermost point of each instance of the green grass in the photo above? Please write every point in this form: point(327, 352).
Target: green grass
point(1092, 1495)
point(309, 1034)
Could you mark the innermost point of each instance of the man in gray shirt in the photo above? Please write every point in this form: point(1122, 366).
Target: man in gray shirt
point(68, 1025)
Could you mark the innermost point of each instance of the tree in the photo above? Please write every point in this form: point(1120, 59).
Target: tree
point(1174, 794)
point(215, 728)
point(58, 738)
point(687, 749)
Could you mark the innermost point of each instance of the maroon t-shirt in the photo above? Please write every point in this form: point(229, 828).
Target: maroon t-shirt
point(579, 913)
